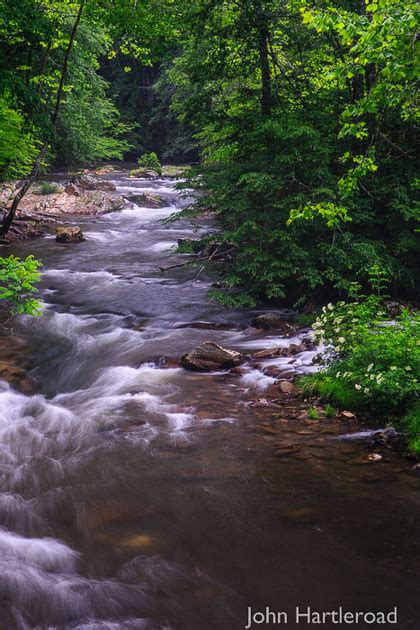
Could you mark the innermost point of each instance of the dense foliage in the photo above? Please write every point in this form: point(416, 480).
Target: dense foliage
point(372, 362)
point(17, 284)
point(305, 115)
point(34, 40)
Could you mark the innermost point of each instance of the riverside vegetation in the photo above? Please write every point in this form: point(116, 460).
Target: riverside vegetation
point(299, 118)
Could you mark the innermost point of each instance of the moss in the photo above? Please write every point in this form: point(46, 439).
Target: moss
point(174, 171)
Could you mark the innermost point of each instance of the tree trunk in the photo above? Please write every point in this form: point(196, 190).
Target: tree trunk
point(266, 96)
point(26, 184)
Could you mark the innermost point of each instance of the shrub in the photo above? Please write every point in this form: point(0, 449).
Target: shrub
point(375, 359)
point(372, 362)
point(17, 279)
point(48, 188)
point(150, 161)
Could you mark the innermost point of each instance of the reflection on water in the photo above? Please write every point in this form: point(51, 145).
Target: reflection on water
point(137, 495)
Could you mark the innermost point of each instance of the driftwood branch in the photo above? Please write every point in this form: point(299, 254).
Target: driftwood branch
point(211, 257)
point(195, 261)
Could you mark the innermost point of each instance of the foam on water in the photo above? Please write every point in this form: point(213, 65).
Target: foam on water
point(254, 379)
point(39, 440)
point(162, 246)
point(44, 553)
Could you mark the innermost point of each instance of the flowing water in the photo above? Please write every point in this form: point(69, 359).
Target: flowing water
point(138, 495)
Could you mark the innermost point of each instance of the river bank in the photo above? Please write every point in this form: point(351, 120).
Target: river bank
point(47, 203)
point(163, 497)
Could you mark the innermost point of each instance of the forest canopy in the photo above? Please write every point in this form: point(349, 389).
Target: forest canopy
point(299, 117)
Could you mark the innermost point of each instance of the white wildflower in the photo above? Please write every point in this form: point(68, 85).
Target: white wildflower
point(408, 368)
point(370, 366)
point(341, 340)
point(366, 390)
point(357, 387)
point(393, 368)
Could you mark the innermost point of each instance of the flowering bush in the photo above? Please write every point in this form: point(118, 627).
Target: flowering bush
point(343, 326)
point(375, 358)
point(371, 362)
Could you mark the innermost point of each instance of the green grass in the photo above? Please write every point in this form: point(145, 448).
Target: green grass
point(411, 426)
point(313, 413)
point(47, 188)
point(329, 411)
point(329, 389)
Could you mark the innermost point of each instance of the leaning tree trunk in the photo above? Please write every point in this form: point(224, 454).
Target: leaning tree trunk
point(26, 184)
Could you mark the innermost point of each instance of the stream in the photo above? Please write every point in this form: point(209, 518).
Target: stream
point(136, 495)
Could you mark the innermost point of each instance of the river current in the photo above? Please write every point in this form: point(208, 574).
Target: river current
point(135, 495)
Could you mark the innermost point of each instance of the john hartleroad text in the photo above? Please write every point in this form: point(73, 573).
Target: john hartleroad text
point(306, 615)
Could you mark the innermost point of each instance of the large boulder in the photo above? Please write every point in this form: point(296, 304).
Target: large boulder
point(69, 235)
point(87, 182)
point(275, 321)
point(148, 200)
point(209, 356)
point(144, 172)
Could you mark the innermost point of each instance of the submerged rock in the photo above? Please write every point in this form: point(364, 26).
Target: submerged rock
point(374, 457)
point(275, 371)
point(274, 321)
point(286, 387)
point(269, 353)
point(87, 182)
point(148, 200)
point(69, 235)
point(209, 356)
point(295, 349)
